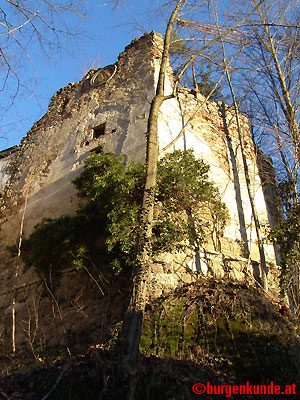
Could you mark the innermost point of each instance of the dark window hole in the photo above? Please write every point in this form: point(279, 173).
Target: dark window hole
point(99, 131)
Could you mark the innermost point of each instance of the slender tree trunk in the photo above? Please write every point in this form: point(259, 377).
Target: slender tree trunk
point(132, 326)
point(248, 184)
point(17, 268)
point(247, 178)
point(194, 77)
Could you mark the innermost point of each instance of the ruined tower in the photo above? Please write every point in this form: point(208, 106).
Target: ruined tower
point(111, 106)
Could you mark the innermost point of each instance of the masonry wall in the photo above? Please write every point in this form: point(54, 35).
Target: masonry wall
point(4, 176)
point(81, 116)
point(52, 153)
point(210, 130)
point(5, 159)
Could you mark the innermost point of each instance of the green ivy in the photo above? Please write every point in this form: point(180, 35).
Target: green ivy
point(287, 236)
point(108, 221)
point(56, 243)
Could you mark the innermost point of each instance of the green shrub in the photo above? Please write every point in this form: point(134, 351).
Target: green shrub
point(57, 243)
point(187, 207)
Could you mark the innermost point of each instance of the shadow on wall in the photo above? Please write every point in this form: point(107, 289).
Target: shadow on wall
point(237, 186)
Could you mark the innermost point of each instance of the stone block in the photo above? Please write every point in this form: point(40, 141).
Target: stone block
point(157, 268)
point(187, 278)
point(168, 268)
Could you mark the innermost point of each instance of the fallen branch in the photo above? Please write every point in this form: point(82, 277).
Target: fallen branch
point(57, 381)
point(4, 394)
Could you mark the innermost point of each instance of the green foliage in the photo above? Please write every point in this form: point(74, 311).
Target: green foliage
point(110, 214)
point(183, 181)
point(206, 85)
point(286, 235)
point(178, 47)
point(191, 205)
point(56, 243)
point(286, 191)
point(112, 192)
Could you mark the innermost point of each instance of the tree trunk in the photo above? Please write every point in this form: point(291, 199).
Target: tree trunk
point(263, 263)
point(132, 325)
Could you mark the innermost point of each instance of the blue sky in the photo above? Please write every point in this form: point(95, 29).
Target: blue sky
point(107, 32)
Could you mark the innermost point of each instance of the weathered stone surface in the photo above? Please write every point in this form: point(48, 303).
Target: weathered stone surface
point(5, 158)
point(80, 117)
point(4, 174)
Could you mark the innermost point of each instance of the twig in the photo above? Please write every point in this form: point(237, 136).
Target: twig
point(59, 312)
point(4, 394)
point(272, 297)
point(17, 267)
point(57, 381)
point(91, 276)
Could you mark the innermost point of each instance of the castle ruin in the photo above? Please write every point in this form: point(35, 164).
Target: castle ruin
point(111, 106)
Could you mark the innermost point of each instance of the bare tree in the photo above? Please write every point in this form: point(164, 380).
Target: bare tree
point(132, 325)
point(264, 81)
point(274, 79)
point(31, 27)
point(247, 176)
point(266, 52)
point(134, 317)
point(271, 71)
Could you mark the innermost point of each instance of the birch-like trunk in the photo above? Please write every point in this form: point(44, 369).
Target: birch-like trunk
point(132, 325)
point(263, 264)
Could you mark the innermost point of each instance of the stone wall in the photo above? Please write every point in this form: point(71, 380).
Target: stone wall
point(52, 153)
point(210, 130)
point(115, 113)
point(5, 159)
point(4, 175)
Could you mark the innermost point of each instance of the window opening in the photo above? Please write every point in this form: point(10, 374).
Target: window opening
point(99, 131)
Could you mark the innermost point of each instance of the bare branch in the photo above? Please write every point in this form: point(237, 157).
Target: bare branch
point(57, 381)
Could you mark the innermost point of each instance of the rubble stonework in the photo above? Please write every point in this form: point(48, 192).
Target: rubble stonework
point(80, 116)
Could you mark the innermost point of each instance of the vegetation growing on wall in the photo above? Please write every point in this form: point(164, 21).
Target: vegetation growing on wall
point(107, 224)
point(286, 235)
point(56, 243)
